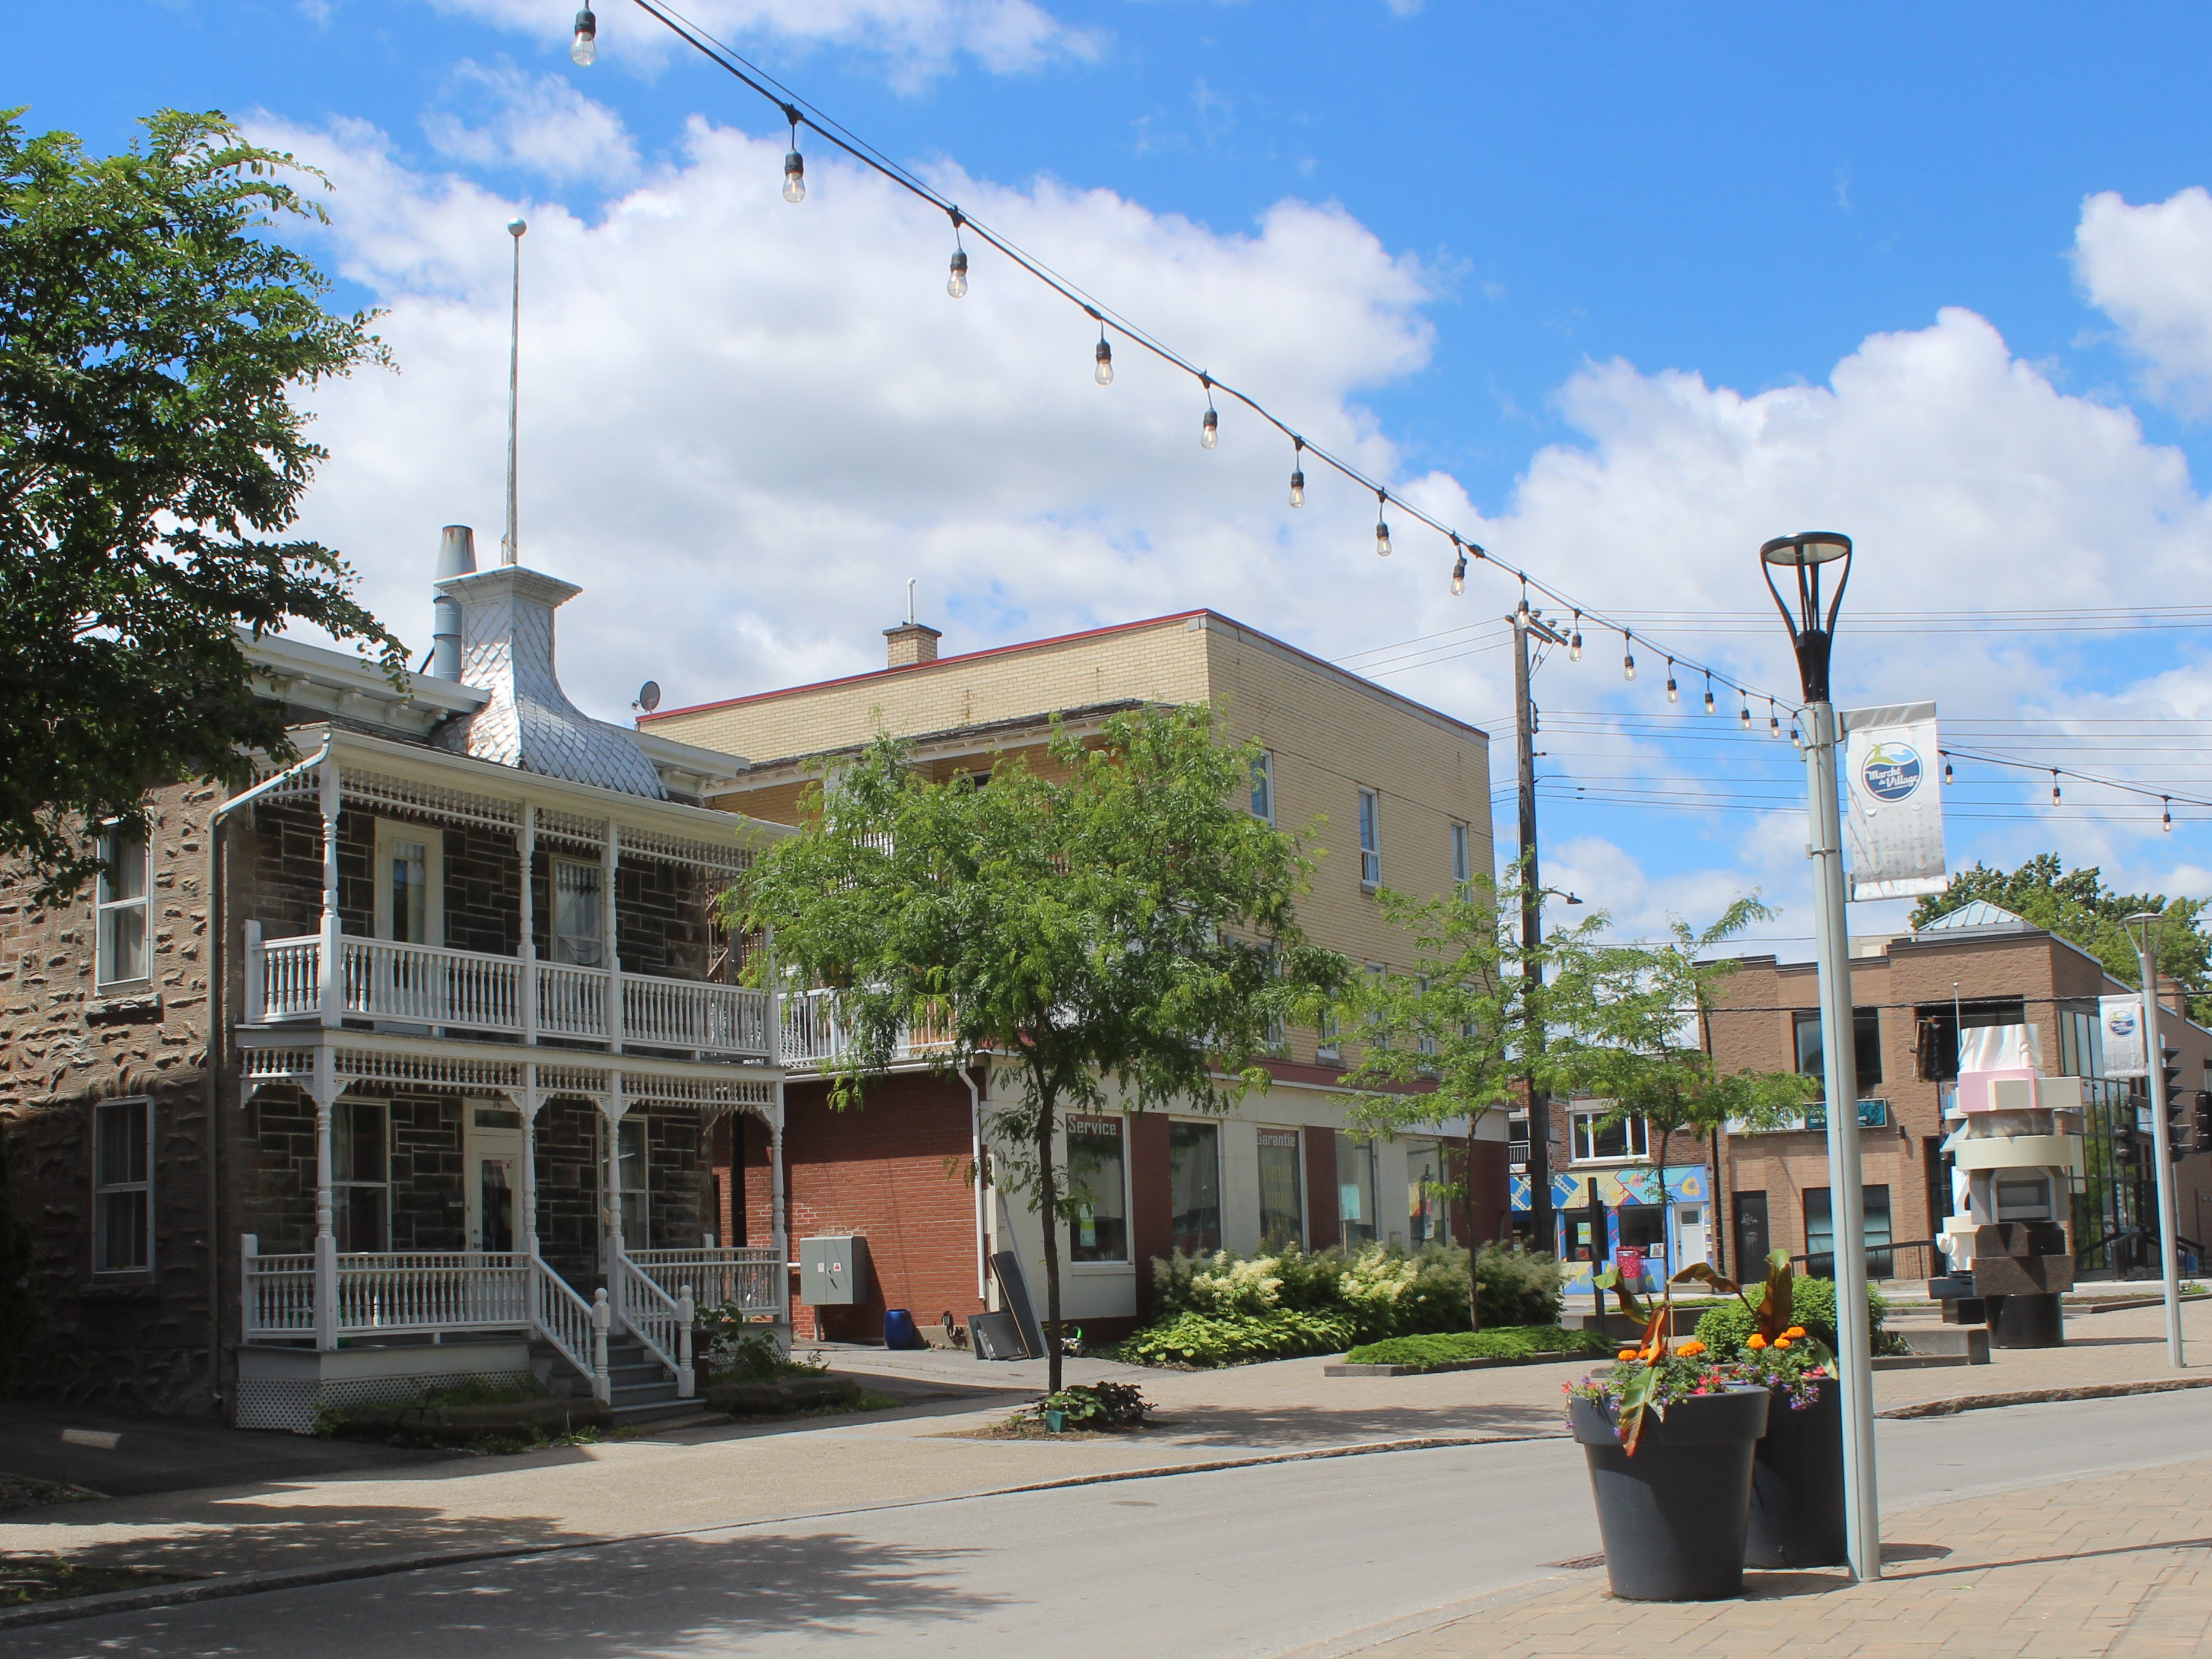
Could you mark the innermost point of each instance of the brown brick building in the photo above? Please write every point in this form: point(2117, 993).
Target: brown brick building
point(1402, 792)
point(1978, 967)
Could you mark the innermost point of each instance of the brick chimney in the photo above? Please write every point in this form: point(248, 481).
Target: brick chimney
point(912, 644)
point(2172, 996)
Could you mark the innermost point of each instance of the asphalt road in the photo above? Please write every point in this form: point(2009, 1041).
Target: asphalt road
point(1313, 1559)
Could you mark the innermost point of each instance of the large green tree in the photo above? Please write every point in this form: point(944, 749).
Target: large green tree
point(1475, 1015)
point(153, 332)
point(2076, 905)
point(1116, 929)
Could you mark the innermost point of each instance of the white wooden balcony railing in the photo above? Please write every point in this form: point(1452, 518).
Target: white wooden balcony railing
point(815, 1034)
point(469, 991)
point(388, 1292)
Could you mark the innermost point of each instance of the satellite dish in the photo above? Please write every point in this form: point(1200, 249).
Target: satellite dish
point(648, 696)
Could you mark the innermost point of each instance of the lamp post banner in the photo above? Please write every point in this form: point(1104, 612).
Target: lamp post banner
point(1893, 826)
point(2122, 1019)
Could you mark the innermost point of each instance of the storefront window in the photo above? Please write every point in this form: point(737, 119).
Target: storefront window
point(1194, 1186)
point(1100, 1232)
point(1282, 1216)
point(1428, 1211)
point(1355, 1191)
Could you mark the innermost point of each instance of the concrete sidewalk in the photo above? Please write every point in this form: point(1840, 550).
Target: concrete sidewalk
point(2118, 1565)
point(746, 1474)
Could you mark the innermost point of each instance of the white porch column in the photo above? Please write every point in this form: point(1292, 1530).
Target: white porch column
point(613, 1107)
point(526, 845)
point(617, 1012)
point(325, 1091)
point(257, 1005)
point(777, 1220)
point(332, 988)
point(530, 1102)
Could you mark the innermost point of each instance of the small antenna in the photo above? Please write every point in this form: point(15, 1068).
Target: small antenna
point(510, 550)
point(910, 581)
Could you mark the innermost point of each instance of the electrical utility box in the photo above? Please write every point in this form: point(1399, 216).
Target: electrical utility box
point(833, 1270)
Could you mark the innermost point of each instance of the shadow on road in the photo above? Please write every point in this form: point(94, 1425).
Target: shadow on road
point(1293, 1428)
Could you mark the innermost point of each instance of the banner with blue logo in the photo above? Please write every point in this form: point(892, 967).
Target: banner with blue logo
point(2121, 1018)
point(1892, 802)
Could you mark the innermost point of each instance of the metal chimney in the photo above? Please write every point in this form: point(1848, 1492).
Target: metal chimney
point(457, 556)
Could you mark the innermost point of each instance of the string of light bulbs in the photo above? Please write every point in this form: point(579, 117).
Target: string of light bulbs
point(798, 113)
point(2166, 798)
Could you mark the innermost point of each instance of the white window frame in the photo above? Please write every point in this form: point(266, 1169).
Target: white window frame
point(553, 935)
point(1637, 1135)
point(105, 905)
point(1328, 1039)
point(143, 1190)
point(1371, 841)
point(389, 830)
point(1462, 858)
point(643, 1191)
point(1263, 786)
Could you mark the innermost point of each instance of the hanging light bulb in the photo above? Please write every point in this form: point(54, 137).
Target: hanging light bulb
point(1209, 429)
point(1382, 529)
point(1709, 694)
point(1948, 775)
point(2054, 785)
point(1297, 472)
point(1459, 568)
point(584, 49)
point(794, 165)
point(1773, 721)
point(1575, 640)
point(1104, 374)
point(1673, 693)
point(1745, 712)
point(957, 283)
point(1627, 657)
point(2165, 814)
point(1796, 740)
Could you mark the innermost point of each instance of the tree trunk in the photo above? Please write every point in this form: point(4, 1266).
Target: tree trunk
point(1048, 1215)
point(1473, 1244)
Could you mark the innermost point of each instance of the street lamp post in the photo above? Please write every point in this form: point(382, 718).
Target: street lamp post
point(1811, 634)
point(2161, 1137)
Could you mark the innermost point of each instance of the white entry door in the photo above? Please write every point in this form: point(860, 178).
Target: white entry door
point(494, 1143)
point(1690, 1229)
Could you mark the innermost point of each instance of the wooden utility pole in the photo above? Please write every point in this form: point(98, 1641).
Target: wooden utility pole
point(1525, 622)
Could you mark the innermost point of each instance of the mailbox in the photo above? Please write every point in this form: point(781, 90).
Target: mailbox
point(833, 1270)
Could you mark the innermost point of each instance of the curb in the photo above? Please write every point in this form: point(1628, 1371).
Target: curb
point(1976, 1402)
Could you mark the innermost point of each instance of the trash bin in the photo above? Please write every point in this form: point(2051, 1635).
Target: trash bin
point(899, 1330)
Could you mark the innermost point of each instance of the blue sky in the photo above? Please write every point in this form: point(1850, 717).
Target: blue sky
point(1564, 275)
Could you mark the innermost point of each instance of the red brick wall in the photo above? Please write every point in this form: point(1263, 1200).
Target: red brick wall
point(894, 1170)
point(1151, 1203)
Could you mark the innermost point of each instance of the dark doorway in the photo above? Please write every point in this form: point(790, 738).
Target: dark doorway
point(1750, 1234)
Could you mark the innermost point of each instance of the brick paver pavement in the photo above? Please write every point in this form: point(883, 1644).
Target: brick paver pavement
point(2116, 1565)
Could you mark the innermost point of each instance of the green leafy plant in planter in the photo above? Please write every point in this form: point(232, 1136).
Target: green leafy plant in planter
point(1095, 1405)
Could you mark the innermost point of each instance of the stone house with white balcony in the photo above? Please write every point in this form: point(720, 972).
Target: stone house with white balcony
point(414, 1062)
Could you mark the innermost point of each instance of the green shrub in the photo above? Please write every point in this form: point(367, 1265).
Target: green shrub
point(1502, 1342)
point(1098, 1405)
point(1193, 1339)
point(1726, 1324)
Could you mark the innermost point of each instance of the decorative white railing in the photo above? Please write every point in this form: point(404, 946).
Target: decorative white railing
point(672, 1013)
point(571, 1002)
point(660, 1322)
point(421, 982)
point(387, 1292)
point(464, 1291)
point(278, 1293)
point(815, 1033)
point(577, 1328)
point(469, 990)
point(291, 977)
point(715, 1274)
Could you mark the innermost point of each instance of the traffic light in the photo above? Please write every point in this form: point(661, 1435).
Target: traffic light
point(2127, 1145)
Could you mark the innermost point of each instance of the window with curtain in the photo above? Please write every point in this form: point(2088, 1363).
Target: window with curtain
point(1100, 1232)
point(1194, 1186)
point(579, 913)
point(633, 1182)
point(1282, 1208)
point(122, 1186)
point(124, 900)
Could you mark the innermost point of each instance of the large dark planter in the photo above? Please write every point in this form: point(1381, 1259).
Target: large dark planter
point(1797, 1485)
point(2027, 1321)
point(1673, 1516)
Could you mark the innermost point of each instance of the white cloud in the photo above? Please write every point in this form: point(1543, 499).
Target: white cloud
point(916, 40)
point(2150, 269)
point(540, 123)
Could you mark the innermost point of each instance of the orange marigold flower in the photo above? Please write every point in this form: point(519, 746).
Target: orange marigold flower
point(1755, 1340)
point(1626, 1355)
point(1691, 1349)
point(1781, 1341)
point(1794, 1331)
